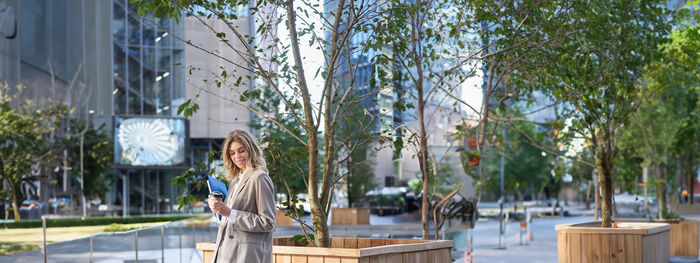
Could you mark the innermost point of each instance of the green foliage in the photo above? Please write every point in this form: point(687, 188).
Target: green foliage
point(671, 215)
point(441, 183)
point(195, 178)
point(116, 227)
point(358, 167)
point(595, 68)
point(92, 221)
point(524, 163)
point(97, 159)
point(301, 240)
point(24, 132)
point(9, 248)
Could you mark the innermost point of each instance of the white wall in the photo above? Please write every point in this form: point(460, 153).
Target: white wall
point(217, 114)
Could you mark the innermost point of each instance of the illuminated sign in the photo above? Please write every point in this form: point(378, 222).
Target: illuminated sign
point(144, 141)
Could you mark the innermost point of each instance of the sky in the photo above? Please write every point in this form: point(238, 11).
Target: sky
point(313, 59)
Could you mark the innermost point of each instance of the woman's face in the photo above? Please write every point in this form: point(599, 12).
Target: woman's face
point(239, 154)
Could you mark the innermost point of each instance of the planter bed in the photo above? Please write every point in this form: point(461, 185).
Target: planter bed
point(624, 242)
point(355, 250)
point(684, 235)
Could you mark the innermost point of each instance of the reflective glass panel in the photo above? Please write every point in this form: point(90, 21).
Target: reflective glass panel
point(119, 91)
point(134, 30)
point(149, 79)
point(134, 94)
point(118, 23)
point(163, 85)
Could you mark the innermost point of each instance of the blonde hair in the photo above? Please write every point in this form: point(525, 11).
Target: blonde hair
point(255, 160)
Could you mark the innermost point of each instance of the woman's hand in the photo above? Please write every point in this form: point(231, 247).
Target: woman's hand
point(218, 207)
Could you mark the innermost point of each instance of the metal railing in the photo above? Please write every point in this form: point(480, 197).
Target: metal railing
point(171, 242)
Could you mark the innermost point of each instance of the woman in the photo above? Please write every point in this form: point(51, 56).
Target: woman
point(245, 231)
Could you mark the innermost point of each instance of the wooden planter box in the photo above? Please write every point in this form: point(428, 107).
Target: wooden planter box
point(282, 219)
point(350, 216)
point(355, 250)
point(625, 242)
point(684, 235)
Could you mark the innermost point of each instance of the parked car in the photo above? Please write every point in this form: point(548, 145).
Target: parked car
point(31, 209)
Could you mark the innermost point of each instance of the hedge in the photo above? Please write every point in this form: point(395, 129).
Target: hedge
point(92, 221)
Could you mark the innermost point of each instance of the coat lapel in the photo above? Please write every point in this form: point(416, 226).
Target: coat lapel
point(243, 181)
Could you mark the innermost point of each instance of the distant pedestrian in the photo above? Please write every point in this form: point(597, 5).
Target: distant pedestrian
point(245, 232)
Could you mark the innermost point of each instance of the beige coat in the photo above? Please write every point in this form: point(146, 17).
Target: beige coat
point(247, 237)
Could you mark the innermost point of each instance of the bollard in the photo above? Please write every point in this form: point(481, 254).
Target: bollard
point(90, 249)
point(179, 226)
point(523, 225)
point(43, 226)
point(162, 243)
point(136, 244)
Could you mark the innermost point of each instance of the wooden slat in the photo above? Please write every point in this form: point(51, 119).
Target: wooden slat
point(299, 259)
point(395, 258)
point(445, 255)
point(618, 249)
point(633, 244)
point(684, 238)
point(378, 259)
point(605, 251)
point(363, 243)
point(331, 259)
point(561, 247)
point(283, 258)
point(411, 257)
point(315, 259)
point(350, 243)
point(377, 242)
point(651, 245)
point(349, 260)
point(337, 242)
point(576, 247)
point(585, 252)
point(350, 216)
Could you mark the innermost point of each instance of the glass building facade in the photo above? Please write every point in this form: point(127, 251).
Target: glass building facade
point(125, 64)
point(147, 80)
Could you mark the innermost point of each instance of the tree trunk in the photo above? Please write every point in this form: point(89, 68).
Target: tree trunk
point(318, 218)
point(691, 177)
point(660, 190)
point(604, 168)
point(423, 159)
point(588, 194)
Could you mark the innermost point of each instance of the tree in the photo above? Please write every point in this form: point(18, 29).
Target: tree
point(23, 128)
point(97, 161)
point(358, 174)
point(664, 128)
point(262, 57)
point(426, 40)
point(596, 70)
point(284, 155)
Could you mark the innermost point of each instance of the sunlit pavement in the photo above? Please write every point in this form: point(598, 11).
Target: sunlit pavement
point(543, 247)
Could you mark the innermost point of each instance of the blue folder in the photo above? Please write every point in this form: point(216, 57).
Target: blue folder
point(218, 186)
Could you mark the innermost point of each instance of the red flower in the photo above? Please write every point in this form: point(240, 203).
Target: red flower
point(472, 143)
point(474, 161)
